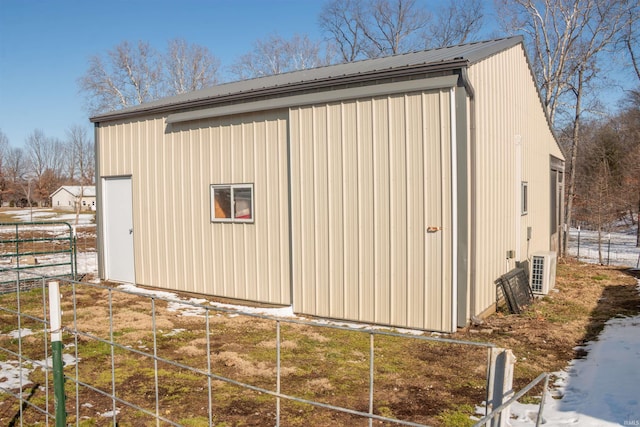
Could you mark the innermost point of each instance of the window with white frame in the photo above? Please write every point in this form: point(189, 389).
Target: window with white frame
point(232, 203)
point(524, 195)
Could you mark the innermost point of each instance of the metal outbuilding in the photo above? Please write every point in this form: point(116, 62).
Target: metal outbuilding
point(392, 191)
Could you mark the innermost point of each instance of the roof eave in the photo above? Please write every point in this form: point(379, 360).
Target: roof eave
point(316, 84)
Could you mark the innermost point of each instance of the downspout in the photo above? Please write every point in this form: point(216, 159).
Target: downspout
point(470, 91)
point(454, 210)
point(466, 83)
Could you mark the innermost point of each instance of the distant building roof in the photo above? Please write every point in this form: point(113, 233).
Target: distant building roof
point(74, 190)
point(441, 59)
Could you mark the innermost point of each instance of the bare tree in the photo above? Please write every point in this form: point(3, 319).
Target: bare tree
point(19, 176)
point(568, 40)
point(601, 173)
point(4, 151)
point(16, 165)
point(130, 74)
point(83, 158)
point(70, 168)
point(339, 19)
point(373, 28)
point(393, 26)
point(189, 67)
point(551, 32)
point(458, 22)
point(83, 154)
point(127, 75)
point(629, 132)
point(276, 55)
point(631, 37)
point(46, 162)
point(4, 145)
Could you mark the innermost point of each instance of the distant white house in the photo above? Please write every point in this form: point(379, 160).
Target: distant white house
point(68, 196)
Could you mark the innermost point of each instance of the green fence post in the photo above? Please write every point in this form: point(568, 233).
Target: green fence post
point(55, 320)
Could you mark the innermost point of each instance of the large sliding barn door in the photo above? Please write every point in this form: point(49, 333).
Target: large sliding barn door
point(368, 181)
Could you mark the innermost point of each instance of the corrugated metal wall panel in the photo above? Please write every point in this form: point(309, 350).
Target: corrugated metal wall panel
point(437, 208)
point(397, 148)
point(384, 294)
point(508, 111)
point(176, 245)
point(415, 178)
point(367, 177)
point(366, 208)
point(337, 250)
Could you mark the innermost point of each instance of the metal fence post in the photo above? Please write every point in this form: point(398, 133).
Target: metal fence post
point(501, 383)
point(74, 253)
point(55, 316)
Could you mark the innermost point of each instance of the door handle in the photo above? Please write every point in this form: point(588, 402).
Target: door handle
point(131, 231)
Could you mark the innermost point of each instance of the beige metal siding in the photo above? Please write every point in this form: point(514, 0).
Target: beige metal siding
point(367, 179)
point(508, 112)
point(172, 168)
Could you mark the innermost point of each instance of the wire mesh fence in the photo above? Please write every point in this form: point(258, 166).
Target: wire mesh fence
point(135, 356)
point(138, 357)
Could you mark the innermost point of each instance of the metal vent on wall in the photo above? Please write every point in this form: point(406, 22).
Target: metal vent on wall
point(543, 272)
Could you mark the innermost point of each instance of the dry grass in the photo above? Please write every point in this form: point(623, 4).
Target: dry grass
point(424, 382)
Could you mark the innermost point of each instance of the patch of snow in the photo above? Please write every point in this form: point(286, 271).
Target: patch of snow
point(44, 214)
point(195, 306)
point(190, 309)
point(86, 262)
point(12, 376)
point(600, 390)
point(280, 312)
point(27, 215)
point(83, 219)
point(616, 248)
point(110, 414)
point(24, 332)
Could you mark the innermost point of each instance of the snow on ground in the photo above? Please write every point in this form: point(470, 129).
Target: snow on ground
point(40, 214)
point(12, 376)
point(615, 248)
point(600, 390)
point(86, 262)
point(190, 307)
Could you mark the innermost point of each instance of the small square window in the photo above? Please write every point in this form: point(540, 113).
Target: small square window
point(232, 203)
point(524, 198)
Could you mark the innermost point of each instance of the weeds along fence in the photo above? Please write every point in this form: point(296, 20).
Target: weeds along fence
point(135, 357)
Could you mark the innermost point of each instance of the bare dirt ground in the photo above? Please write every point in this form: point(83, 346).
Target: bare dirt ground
point(425, 382)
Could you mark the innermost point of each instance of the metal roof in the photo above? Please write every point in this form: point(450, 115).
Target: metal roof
point(451, 57)
point(74, 190)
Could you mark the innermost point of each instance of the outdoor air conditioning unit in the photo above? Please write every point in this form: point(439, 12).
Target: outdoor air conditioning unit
point(543, 272)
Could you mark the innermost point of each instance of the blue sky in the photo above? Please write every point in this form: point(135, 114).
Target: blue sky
point(45, 45)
